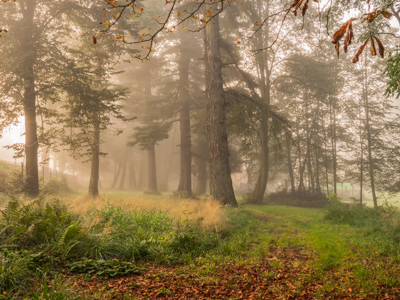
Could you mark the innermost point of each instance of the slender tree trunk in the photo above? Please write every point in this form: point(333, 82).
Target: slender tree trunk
point(301, 187)
point(369, 140)
point(201, 187)
point(95, 170)
point(123, 175)
point(29, 99)
point(332, 107)
point(118, 168)
point(185, 178)
point(264, 82)
point(132, 175)
point(361, 177)
point(142, 171)
point(151, 154)
point(290, 166)
point(221, 187)
point(361, 155)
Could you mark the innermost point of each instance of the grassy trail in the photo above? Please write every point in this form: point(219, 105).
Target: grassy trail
point(294, 254)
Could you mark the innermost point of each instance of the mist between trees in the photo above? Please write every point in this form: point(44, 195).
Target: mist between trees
point(201, 98)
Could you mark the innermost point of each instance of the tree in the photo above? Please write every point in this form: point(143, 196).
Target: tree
point(92, 105)
point(32, 51)
point(220, 175)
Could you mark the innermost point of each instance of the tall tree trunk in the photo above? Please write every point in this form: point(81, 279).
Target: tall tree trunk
point(290, 166)
point(185, 177)
point(361, 158)
point(201, 187)
point(221, 187)
point(123, 175)
point(152, 175)
point(264, 82)
point(29, 99)
point(142, 171)
point(132, 175)
point(95, 170)
point(369, 140)
point(117, 171)
point(332, 107)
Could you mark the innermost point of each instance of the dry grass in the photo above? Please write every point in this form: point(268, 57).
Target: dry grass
point(207, 213)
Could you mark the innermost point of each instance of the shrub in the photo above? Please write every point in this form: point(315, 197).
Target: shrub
point(300, 199)
point(54, 186)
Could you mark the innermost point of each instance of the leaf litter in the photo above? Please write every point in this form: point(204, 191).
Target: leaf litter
point(286, 272)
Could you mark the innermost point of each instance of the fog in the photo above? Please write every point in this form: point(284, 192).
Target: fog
point(234, 108)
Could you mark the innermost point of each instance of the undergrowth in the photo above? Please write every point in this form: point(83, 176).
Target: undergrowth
point(380, 223)
point(44, 238)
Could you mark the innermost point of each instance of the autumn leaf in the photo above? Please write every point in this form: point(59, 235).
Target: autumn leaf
point(141, 10)
point(94, 40)
point(381, 49)
point(294, 3)
point(373, 51)
point(387, 14)
point(370, 16)
point(304, 9)
point(342, 30)
point(360, 50)
point(337, 46)
point(298, 3)
point(349, 37)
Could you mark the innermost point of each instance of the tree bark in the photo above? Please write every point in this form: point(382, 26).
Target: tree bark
point(117, 171)
point(152, 175)
point(221, 187)
point(369, 140)
point(290, 166)
point(29, 100)
point(332, 107)
point(123, 175)
point(95, 170)
point(185, 177)
point(264, 82)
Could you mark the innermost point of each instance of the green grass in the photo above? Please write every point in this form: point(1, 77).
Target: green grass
point(337, 254)
point(338, 250)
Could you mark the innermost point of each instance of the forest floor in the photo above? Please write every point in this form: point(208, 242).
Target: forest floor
point(295, 254)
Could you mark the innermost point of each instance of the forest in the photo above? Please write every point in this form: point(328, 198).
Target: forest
point(199, 149)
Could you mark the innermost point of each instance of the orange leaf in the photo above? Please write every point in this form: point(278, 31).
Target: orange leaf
point(380, 47)
point(297, 6)
point(337, 46)
point(349, 37)
point(360, 50)
point(304, 9)
point(141, 10)
point(373, 51)
point(342, 30)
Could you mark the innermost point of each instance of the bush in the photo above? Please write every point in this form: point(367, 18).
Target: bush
point(54, 186)
point(11, 183)
point(302, 199)
point(379, 222)
point(353, 214)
